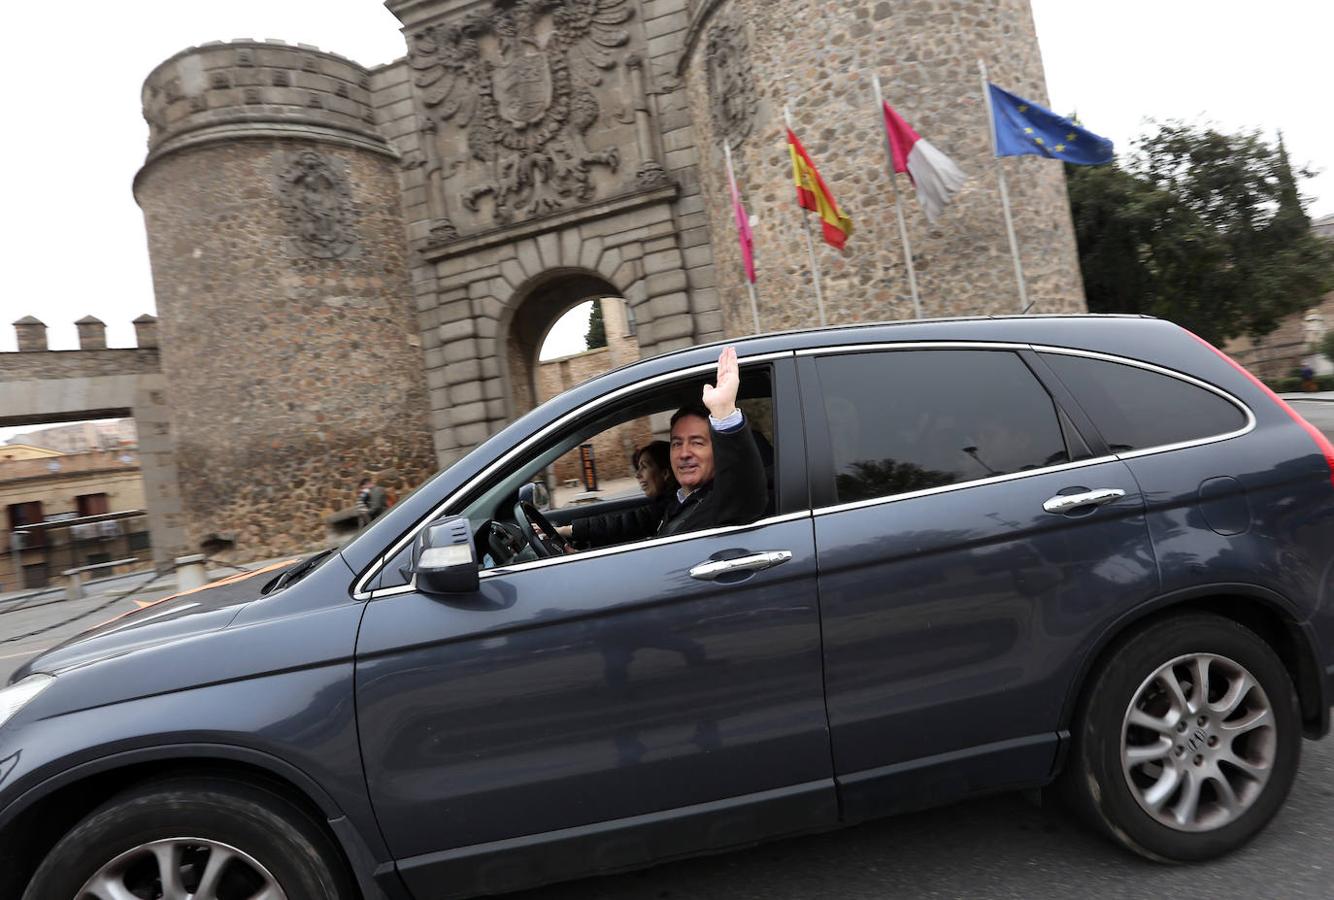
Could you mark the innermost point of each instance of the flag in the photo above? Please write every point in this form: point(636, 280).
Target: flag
point(813, 195)
point(742, 225)
point(934, 174)
point(1023, 127)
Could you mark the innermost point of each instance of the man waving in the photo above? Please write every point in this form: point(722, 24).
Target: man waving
point(715, 459)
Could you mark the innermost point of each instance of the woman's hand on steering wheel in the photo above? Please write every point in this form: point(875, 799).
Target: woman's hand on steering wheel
point(541, 534)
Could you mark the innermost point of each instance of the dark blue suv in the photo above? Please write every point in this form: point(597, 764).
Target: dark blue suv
point(997, 553)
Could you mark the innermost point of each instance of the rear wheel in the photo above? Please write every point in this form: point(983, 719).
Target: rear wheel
point(192, 839)
point(1188, 741)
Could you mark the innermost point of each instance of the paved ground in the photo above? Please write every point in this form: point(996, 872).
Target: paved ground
point(1002, 848)
point(1008, 846)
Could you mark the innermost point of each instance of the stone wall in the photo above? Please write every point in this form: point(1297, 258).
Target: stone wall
point(560, 185)
point(279, 266)
point(745, 59)
point(355, 268)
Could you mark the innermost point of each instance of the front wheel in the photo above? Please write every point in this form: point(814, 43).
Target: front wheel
point(192, 839)
point(1188, 741)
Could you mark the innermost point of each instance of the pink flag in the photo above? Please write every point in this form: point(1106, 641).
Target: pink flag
point(742, 226)
point(934, 174)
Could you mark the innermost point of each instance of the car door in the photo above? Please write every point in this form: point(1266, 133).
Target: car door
point(970, 541)
point(603, 709)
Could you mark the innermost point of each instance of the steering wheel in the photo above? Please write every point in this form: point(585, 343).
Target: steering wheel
point(541, 534)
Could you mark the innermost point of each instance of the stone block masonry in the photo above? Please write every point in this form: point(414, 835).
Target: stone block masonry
point(288, 331)
point(355, 268)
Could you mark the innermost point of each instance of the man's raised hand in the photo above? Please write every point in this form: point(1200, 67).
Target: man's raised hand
point(720, 397)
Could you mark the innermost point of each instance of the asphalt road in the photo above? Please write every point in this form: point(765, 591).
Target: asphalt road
point(1007, 846)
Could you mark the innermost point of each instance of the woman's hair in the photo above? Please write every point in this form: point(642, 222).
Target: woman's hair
point(661, 454)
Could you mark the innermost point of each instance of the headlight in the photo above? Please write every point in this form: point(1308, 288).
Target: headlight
point(16, 696)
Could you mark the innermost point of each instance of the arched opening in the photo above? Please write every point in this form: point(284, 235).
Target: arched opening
point(531, 320)
point(547, 352)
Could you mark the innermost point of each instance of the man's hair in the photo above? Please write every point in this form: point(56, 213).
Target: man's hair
point(690, 409)
point(363, 482)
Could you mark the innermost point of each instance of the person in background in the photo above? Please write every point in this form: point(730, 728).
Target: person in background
point(372, 500)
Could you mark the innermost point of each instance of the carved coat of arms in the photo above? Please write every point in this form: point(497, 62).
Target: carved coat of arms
point(318, 205)
point(519, 79)
point(731, 82)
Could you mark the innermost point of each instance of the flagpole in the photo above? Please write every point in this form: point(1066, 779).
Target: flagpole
point(1004, 192)
point(898, 203)
point(810, 246)
point(750, 285)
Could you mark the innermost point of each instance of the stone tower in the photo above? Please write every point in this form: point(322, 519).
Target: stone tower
point(355, 269)
point(743, 60)
point(288, 338)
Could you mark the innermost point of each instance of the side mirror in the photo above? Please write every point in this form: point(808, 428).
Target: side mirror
point(443, 558)
point(535, 492)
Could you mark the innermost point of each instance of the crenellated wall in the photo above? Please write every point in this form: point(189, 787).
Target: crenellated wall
point(38, 386)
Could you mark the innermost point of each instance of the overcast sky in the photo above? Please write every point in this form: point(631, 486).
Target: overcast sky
point(74, 134)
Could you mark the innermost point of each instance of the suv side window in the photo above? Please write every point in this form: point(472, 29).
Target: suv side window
point(905, 420)
point(1135, 408)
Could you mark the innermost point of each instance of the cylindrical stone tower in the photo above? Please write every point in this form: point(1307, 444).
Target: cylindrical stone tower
point(745, 59)
point(287, 329)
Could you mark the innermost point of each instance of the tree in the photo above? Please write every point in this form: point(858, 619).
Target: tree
point(1203, 228)
point(1327, 346)
point(597, 330)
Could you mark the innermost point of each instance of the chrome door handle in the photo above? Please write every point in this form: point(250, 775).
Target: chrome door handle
point(1062, 503)
point(754, 562)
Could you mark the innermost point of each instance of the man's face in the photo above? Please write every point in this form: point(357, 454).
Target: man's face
point(692, 452)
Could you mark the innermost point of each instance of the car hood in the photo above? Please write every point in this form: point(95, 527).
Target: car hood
point(184, 614)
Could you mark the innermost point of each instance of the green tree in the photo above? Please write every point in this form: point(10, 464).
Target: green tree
point(1203, 228)
point(1327, 346)
point(597, 329)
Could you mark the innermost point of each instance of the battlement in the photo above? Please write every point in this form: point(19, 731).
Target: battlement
point(30, 333)
point(247, 88)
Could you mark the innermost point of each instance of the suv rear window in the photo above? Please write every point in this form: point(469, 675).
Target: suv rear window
point(906, 420)
point(1135, 408)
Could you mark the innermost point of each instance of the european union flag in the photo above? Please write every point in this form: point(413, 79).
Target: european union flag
point(1023, 127)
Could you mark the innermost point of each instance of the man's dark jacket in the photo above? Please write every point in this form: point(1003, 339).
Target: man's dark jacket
point(606, 529)
point(737, 495)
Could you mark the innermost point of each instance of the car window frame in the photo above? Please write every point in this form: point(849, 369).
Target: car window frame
point(823, 484)
point(782, 379)
point(821, 477)
point(1247, 413)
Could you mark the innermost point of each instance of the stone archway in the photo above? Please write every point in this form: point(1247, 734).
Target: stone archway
point(541, 303)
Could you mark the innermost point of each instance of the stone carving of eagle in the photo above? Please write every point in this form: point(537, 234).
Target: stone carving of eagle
point(516, 75)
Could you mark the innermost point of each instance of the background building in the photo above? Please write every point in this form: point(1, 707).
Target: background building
point(1296, 341)
point(355, 268)
point(59, 491)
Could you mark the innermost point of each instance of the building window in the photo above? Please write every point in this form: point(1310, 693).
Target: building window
point(92, 504)
point(30, 513)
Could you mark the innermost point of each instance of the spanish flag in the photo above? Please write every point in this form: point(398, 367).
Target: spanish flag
point(813, 195)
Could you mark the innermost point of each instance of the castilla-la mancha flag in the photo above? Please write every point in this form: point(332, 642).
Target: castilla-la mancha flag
point(934, 174)
point(813, 195)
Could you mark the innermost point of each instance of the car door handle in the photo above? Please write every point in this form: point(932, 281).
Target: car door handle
point(1063, 503)
point(754, 562)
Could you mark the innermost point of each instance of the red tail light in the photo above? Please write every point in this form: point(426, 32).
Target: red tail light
point(1316, 435)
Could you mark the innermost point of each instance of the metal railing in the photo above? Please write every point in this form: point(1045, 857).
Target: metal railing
point(42, 554)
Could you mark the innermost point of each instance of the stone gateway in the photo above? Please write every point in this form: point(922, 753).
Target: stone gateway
point(355, 268)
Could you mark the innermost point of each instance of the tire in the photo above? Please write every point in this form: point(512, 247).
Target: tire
point(242, 837)
point(1142, 751)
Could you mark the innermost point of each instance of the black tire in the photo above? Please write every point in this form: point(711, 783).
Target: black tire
point(259, 823)
point(1100, 789)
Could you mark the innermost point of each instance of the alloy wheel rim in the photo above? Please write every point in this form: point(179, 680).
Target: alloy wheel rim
point(1198, 742)
point(182, 869)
